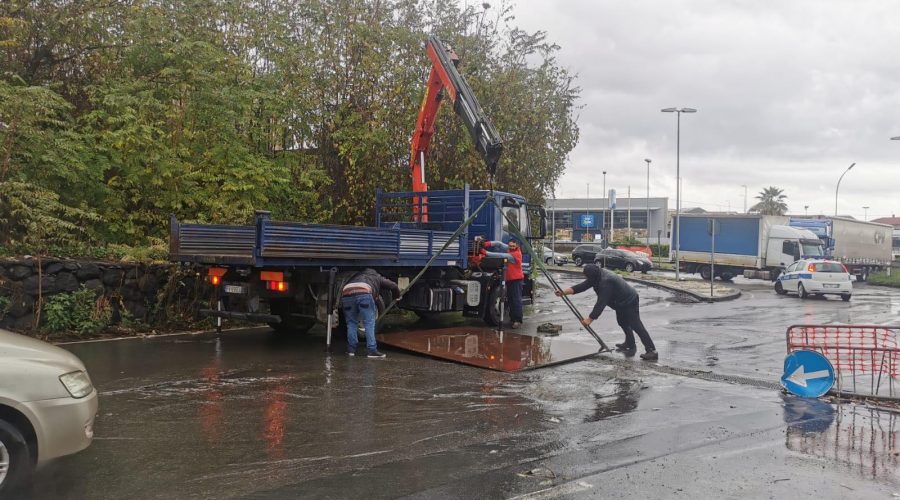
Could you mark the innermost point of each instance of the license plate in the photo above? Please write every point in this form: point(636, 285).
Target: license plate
point(831, 285)
point(234, 289)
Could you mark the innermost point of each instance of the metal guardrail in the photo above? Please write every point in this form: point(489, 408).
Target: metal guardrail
point(865, 358)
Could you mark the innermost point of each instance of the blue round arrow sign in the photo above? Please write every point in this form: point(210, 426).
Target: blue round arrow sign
point(807, 374)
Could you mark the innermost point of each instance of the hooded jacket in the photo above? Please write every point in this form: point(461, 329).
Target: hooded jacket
point(611, 289)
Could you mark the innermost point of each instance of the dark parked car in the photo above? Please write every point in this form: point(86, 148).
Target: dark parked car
point(585, 253)
point(623, 259)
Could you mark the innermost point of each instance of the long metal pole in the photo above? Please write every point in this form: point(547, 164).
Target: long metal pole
point(603, 235)
point(678, 197)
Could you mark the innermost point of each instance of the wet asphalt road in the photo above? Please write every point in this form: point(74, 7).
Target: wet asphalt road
point(248, 415)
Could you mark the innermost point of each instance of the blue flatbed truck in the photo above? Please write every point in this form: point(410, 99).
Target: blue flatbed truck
point(279, 272)
point(286, 274)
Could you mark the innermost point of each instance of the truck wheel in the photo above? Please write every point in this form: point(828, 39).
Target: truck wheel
point(492, 314)
point(726, 275)
point(801, 291)
point(16, 463)
point(705, 272)
point(428, 316)
point(629, 267)
point(845, 297)
point(578, 261)
point(780, 289)
point(863, 275)
point(289, 322)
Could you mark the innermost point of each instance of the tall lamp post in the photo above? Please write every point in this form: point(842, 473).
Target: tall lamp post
point(603, 214)
point(678, 112)
point(745, 197)
point(865, 213)
point(839, 187)
point(648, 201)
point(806, 210)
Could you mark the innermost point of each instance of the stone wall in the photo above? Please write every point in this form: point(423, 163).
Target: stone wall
point(139, 289)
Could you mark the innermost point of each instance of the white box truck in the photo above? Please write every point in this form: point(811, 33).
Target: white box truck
point(863, 247)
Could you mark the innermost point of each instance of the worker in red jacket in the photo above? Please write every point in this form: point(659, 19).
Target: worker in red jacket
point(515, 278)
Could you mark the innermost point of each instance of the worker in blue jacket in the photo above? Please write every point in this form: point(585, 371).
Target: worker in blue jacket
point(614, 292)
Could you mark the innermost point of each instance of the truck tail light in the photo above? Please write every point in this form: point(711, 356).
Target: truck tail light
point(276, 286)
point(215, 275)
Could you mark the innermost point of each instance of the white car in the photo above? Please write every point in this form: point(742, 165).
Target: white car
point(815, 277)
point(47, 406)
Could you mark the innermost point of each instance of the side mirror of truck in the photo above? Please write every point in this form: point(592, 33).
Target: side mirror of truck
point(537, 219)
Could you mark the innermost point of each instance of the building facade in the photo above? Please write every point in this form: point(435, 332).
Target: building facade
point(587, 219)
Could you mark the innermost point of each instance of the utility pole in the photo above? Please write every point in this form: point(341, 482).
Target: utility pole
point(745, 197)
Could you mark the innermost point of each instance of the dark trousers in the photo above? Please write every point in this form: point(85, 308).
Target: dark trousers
point(629, 318)
point(514, 298)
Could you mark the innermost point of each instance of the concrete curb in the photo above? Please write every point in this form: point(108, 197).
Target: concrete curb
point(702, 298)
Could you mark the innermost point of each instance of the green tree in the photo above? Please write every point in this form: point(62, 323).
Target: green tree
point(771, 202)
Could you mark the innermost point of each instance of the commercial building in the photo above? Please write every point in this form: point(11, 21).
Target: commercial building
point(585, 219)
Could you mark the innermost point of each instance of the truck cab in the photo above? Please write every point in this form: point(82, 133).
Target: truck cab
point(787, 245)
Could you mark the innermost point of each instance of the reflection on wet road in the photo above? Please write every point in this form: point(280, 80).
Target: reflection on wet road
point(500, 350)
point(249, 415)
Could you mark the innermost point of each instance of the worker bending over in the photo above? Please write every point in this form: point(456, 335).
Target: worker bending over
point(614, 292)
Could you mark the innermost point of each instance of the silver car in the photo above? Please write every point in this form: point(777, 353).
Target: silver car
point(47, 406)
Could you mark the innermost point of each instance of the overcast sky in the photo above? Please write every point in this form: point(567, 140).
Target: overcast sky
point(788, 94)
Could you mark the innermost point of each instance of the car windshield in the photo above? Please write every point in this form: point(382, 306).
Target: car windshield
point(828, 267)
point(812, 249)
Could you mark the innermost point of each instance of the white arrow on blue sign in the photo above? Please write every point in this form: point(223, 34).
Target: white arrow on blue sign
point(807, 374)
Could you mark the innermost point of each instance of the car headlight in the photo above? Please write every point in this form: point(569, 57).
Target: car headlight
point(77, 383)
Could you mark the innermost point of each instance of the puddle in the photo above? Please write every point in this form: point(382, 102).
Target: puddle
point(486, 348)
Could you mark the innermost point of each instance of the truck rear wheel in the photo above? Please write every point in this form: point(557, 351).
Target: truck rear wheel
point(705, 272)
point(290, 321)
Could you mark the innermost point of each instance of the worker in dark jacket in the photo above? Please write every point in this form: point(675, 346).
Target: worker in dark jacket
point(358, 298)
point(515, 277)
point(614, 292)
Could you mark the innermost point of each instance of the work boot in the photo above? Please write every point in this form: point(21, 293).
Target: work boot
point(628, 352)
point(650, 356)
point(515, 325)
point(376, 354)
point(623, 347)
point(351, 352)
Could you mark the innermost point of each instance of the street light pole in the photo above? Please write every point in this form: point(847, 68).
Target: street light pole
point(839, 187)
point(865, 213)
point(648, 202)
point(678, 111)
point(745, 197)
point(806, 210)
point(603, 214)
point(588, 208)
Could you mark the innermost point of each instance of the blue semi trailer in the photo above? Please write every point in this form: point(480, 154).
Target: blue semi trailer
point(754, 246)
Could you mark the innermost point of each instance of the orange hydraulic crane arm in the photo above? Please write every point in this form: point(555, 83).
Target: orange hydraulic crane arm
point(445, 77)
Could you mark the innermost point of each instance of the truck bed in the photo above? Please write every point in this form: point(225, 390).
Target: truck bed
point(271, 243)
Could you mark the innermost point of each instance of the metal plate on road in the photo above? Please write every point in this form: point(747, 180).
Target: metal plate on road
point(235, 289)
point(807, 374)
point(485, 348)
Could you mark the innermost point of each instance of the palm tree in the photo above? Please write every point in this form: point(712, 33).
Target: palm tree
point(771, 202)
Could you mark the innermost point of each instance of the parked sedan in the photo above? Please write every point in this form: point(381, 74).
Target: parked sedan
point(612, 258)
point(815, 277)
point(551, 257)
point(585, 253)
point(47, 406)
